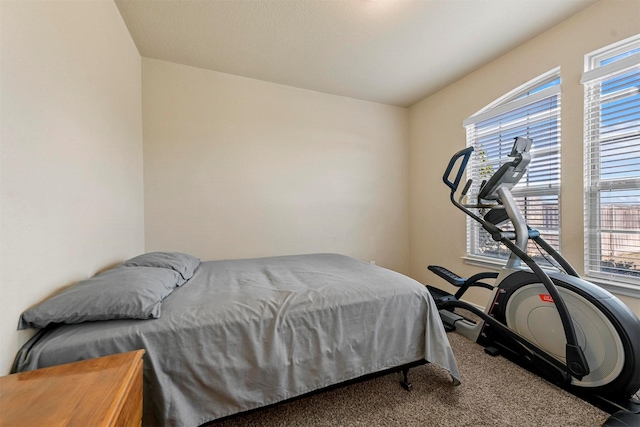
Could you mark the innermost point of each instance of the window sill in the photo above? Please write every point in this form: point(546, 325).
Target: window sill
point(619, 288)
point(497, 264)
point(492, 263)
point(614, 287)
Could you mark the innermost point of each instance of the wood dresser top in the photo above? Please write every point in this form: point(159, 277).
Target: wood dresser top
point(86, 393)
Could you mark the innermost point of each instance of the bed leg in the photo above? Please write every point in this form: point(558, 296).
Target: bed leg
point(405, 380)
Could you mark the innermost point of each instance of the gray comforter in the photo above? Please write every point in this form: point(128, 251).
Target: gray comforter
point(243, 334)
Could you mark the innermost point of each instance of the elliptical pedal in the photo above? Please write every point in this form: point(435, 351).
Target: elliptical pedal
point(448, 275)
point(448, 317)
point(439, 295)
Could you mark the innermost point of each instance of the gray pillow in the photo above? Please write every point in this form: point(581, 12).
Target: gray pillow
point(182, 263)
point(123, 293)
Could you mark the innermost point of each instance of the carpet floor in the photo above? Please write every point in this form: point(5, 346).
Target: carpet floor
point(494, 392)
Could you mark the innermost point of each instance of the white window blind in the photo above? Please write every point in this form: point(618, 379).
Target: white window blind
point(612, 163)
point(531, 111)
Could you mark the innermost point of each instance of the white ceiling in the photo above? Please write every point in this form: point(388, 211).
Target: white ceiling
point(393, 52)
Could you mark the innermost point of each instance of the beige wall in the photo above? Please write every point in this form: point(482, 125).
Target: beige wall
point(71, 155)
point(237, 168)
point(437, 227)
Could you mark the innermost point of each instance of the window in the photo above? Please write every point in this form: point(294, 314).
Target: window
point(533, 111)
point(612, 162)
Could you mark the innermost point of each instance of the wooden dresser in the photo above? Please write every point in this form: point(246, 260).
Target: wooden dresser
point(106, 391)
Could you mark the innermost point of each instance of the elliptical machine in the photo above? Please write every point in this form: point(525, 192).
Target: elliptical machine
point(568, 330)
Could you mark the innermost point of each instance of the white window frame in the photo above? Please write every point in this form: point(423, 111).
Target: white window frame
point(513, 100)
point(594, 75)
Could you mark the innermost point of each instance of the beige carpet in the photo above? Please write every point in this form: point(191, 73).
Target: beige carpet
point(494, 392)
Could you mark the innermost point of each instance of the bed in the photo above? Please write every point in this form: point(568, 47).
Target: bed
point(235, 335)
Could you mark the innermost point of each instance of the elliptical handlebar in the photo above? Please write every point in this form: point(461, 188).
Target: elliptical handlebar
point(466, 154)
